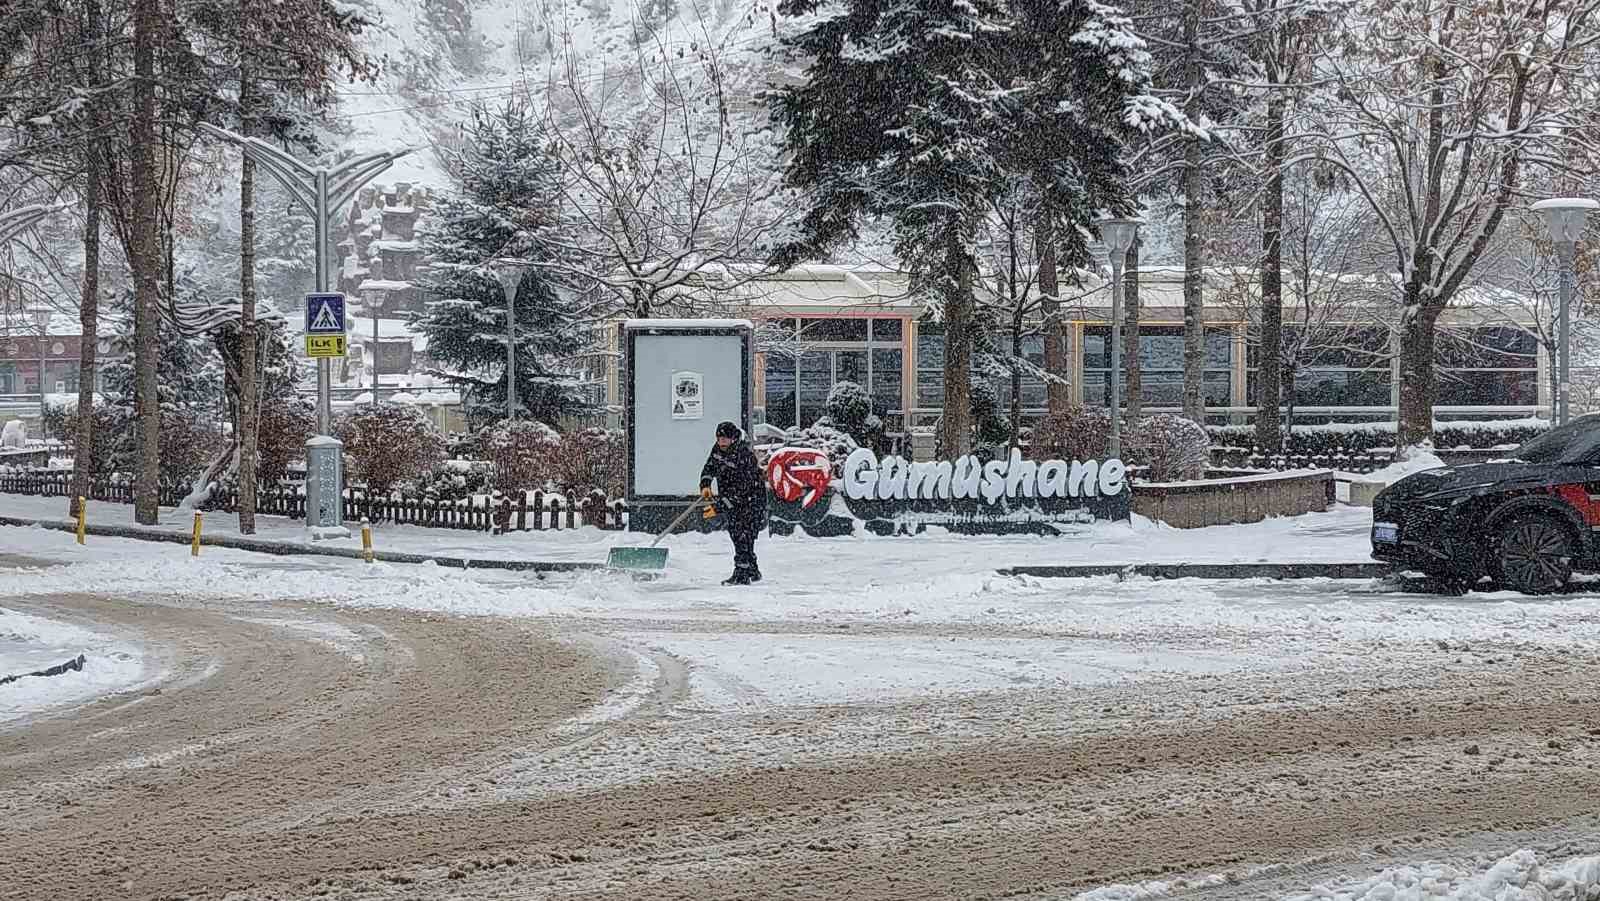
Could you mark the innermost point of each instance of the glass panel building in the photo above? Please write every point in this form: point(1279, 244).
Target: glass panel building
point(818, 326)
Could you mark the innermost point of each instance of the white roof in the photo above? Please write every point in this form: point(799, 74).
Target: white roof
point(687, 323)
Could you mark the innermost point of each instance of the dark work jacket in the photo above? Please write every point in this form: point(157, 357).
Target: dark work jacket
point(738, 475)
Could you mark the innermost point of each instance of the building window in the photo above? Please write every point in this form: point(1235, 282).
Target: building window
point(1160, 366)
point(806, 357)
point(9, 381)
point(1487, 367)
point(1337, 366)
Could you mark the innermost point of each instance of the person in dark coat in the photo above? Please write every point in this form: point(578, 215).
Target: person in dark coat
point(742, 489)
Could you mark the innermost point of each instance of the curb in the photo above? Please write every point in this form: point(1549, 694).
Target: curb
point(1211, 571)
point(292, 549)
point(1081, 571)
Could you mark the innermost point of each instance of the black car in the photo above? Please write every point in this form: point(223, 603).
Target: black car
point(1525, 522)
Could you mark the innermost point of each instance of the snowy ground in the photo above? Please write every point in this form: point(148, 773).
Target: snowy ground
point(880, 718)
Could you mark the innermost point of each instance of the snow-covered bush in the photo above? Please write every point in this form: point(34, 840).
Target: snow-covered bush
point(850, 411)
point(389, 443)
point(454, 480)
point(1174, 447)
point(836, 444)
point(1075, 433)
point(188, 446)
point(594, 459)
point(14, 435)
point(286, 425)
point(62, 420)
point(525, 454)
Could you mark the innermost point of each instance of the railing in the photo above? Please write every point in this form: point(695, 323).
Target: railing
point(528, 511)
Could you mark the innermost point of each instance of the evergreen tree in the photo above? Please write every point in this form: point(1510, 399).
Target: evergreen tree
point(918, 113)
point(502, 209)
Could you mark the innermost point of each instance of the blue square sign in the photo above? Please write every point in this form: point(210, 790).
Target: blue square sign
point(325, 314)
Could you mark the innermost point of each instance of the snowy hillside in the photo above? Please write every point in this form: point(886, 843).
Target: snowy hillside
point(439, 57)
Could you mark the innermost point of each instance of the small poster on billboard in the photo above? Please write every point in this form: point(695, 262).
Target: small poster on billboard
point(688, 401)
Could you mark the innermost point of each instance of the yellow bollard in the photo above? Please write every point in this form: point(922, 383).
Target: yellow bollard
point(83, 516)
point(194, 546)
point(366, 539)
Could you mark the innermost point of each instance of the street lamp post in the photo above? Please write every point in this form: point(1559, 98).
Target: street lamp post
point(375, 301)
point(1118, 236)
point(509, 273)
point(1565, 217)
point(41, 321)
point(321, 191)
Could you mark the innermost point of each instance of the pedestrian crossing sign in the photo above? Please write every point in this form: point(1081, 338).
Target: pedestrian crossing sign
point(325, 314)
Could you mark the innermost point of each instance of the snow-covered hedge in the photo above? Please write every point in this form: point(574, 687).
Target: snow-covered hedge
point(1368, 437)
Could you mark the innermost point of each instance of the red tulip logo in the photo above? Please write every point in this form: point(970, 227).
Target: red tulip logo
point(799, 474)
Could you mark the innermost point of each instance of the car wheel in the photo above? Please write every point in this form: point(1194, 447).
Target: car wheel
point(1533, 555)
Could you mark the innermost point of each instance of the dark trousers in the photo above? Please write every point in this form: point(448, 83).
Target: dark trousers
point(746, 518)
point(744, 549)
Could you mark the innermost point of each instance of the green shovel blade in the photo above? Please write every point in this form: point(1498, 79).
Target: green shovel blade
point(637, 558)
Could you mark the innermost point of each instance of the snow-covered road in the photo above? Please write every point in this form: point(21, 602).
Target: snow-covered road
point(894, 725)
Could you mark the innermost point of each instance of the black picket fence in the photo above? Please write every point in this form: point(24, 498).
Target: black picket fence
point(500, 513)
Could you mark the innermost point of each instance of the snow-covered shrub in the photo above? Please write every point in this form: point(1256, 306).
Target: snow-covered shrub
point(14, 435)
point(526, 454)
point(63, 424)
point(1174, 447)
point(836, 444)
point(389, 443)
point(594, 459)
point(454, 481)
point(188, 446)
point(1075, 433)
point(286, 425)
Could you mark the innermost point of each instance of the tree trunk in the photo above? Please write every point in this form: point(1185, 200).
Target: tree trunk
point(1194, 308)
point(146, 262)
point(956, 431)
point(89, 305)
point(1057, 390)
point(1133, 393)
point(1016, 380)
point(249, 384)
point(1418, 327)
point(1269, 369)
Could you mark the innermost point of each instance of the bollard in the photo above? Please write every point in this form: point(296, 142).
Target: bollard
point(83, 516)
point(194, 545)
point(366, 539)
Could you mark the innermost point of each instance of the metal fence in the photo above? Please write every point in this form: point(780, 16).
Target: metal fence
point(518, 512)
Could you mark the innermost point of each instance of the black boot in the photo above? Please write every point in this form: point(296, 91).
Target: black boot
point(739, 577)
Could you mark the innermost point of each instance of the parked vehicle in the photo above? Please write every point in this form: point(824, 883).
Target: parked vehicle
point(1526, 522)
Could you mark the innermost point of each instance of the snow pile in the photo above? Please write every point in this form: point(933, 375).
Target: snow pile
point(1414, 460)
point(31, 643)
point(1516, 877)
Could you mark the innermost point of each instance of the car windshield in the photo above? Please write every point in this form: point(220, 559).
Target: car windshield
point(1576, 442)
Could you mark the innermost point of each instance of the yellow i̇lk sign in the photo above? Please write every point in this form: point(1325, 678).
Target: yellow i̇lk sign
point(324, 345)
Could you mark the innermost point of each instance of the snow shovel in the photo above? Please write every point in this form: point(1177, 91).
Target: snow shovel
point(652, 557)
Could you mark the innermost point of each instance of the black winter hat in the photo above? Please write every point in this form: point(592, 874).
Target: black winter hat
point(728, 429)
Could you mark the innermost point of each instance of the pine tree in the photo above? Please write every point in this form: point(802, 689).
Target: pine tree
point(502, 209)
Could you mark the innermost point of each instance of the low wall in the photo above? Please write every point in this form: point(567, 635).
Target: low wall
point(1214, 502)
